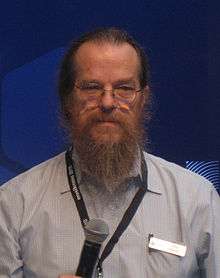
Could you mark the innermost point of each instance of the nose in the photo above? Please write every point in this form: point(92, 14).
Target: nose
point(107, 101)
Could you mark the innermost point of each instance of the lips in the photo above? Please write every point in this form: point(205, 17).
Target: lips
point(107, 123)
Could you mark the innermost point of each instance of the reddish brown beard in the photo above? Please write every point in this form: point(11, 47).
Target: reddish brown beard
point(108, 162)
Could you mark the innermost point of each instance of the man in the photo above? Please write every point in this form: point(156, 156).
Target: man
point(165, 219)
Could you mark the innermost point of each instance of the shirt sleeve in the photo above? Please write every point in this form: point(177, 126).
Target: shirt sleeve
point(209, 259)
point(11, 264)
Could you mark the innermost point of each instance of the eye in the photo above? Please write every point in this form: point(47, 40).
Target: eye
point(90, 87)
point(125, 88)
point(125, 92)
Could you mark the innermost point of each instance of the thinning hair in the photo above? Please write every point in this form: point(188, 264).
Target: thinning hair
point(68, 68)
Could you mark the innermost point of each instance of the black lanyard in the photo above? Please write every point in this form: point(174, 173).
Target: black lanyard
point(84, 217)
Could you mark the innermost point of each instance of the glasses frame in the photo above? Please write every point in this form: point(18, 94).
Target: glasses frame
point(113, 94)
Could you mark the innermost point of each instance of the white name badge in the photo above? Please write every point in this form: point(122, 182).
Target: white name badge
point(167, 246)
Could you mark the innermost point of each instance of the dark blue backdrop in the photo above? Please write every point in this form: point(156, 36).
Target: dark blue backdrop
point(182, 41)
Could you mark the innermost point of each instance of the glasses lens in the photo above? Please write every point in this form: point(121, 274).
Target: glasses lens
point(125, 94)
point(90, 92)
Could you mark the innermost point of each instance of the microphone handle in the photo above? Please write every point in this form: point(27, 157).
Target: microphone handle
point(88, 259)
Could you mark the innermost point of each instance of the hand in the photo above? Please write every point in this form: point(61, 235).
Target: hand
point(68, 276)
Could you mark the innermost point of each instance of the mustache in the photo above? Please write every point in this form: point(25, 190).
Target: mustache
point(115, 117)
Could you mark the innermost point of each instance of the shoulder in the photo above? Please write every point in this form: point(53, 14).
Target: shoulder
point(168, 176)
point(22, 196)
point(183, 190)
point(36, 177)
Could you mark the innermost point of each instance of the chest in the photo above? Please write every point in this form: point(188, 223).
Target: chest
point(52, 239)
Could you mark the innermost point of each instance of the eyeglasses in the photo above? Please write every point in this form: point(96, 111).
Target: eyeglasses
point(93, 92)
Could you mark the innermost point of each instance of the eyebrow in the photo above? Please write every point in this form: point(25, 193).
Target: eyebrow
point(89, 81)
point(124, 81)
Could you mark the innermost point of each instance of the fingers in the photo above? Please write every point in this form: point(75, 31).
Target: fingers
point(68, 276)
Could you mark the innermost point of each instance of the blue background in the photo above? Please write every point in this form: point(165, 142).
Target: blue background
point(181, 39)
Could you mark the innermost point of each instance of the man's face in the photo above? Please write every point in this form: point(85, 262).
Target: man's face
point(106, 130)
point(107, 66)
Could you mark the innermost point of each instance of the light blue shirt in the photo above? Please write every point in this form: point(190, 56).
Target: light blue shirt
point(41, 234)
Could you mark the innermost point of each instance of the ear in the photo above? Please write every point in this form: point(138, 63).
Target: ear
point(145, 96)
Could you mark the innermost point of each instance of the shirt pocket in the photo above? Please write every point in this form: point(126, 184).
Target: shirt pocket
point(163, 264)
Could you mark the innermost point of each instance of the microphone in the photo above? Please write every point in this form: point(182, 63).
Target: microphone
point(96, 231)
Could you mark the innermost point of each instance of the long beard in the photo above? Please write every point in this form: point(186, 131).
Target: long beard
point(108, 162)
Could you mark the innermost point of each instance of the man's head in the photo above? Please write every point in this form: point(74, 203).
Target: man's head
point(103, 88)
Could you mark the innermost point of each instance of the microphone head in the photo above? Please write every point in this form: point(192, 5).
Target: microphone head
point(96, 230)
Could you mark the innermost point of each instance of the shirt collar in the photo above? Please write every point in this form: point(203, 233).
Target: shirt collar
point(154, 184)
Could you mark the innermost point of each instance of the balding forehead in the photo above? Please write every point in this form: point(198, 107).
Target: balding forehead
point(105, 51)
